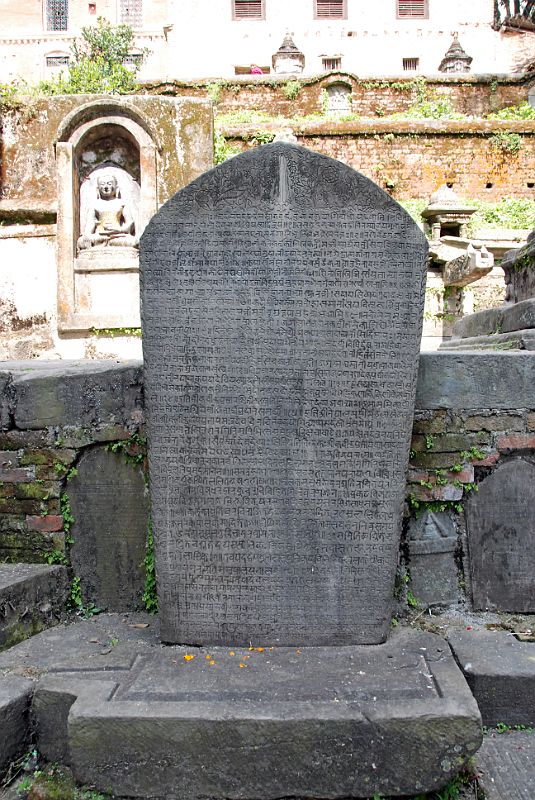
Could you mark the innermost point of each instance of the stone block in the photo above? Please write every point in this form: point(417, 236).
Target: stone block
point(32, 597)
point(495, 422)
point(500, 671)
point(461, 380)
point(434, 571)
point(83, 394)
point(15, 696)
point(305, 723)
point(519, 316)
point(482, 323)
point(500, 520)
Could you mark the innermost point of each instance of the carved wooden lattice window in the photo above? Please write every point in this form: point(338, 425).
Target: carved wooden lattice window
point(57, 15)
point(132, 13)
point(248, 9)
point(412, 9)
point(330, 9)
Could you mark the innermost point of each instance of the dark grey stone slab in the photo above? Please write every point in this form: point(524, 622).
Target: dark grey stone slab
point(32, 597)
point(282, 299)
point(15, 695)
point(82, 394)
point(110, 504)
point(500, 520)
point(500, 671)
point(475, 380)
point(506, 766)
point(291, 722)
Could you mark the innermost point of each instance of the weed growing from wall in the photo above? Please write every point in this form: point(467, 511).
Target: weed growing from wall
point(506, 142)
point(291, 89)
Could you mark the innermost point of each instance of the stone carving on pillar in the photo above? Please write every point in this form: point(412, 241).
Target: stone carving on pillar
point(106, 163)
point(455, 59)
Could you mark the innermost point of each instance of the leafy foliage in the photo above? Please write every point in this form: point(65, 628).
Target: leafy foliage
point(523, 111)
point(510, 212)
point(150, 596)
point(98, 63)
point(222, 149)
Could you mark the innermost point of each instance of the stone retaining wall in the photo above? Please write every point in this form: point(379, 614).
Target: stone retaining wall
point(474, 413)
point(410, 159)
point(474, 95)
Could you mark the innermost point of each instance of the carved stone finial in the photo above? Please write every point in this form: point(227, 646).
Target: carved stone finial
point(288, 59)
point(455, 59)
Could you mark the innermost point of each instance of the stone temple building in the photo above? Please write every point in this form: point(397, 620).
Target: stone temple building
point(222, 38)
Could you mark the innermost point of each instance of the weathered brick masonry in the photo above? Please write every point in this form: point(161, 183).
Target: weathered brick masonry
point(411, 159)
point(474, 411)
point(474, 95)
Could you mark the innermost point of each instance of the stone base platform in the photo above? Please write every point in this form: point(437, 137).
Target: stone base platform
point(135, 718)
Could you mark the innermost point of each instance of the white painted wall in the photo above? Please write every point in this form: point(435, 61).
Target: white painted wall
point(198, 38)
point(205, 41)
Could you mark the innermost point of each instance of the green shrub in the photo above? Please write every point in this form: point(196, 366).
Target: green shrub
point(97, 64)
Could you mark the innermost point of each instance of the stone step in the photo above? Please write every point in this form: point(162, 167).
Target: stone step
point(32, 598)
point(140, 719)
point(15, 697)
point(506, 766)
point(500, 671)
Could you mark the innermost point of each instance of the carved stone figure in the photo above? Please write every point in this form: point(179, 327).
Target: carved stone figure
point(109, 221)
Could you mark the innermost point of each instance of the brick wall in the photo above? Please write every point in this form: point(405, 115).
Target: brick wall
point(411, 159)
point(471, 95)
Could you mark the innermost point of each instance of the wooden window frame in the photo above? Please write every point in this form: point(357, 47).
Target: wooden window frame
point(237, 18)
point(425, 15)
point(321, 18)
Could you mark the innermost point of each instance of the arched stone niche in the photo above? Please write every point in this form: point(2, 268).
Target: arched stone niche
point(338, 98)
point(98, 287)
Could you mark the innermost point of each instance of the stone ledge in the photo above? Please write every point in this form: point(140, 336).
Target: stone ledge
point(110, 392)
point(15, 695)
point(32, 597)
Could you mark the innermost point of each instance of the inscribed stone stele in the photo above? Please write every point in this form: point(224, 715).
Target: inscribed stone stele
point(110, 507)
point(282, 297)
point(500, 521)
